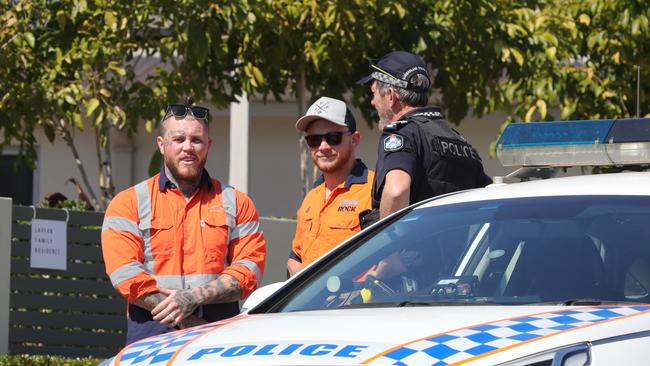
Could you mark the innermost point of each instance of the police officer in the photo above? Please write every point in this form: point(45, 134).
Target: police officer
point(419, 154)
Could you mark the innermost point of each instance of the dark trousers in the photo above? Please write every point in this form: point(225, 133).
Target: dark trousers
point(140, 323)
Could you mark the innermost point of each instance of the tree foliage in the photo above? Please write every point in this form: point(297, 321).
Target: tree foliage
point(74, 64)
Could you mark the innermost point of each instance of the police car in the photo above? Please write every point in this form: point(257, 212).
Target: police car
point(540, 272)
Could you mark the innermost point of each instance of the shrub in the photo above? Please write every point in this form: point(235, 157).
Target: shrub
point(43, 360)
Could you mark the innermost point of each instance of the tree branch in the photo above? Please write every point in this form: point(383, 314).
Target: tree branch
point(65, 134)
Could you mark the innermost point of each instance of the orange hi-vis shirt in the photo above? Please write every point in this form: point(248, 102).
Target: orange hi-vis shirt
point(322, 224)
point(152, 237)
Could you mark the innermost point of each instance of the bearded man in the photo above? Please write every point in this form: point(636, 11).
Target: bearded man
point(329, 213)
point(181, 247)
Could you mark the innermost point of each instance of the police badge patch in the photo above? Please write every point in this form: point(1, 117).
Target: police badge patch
point(393, 143)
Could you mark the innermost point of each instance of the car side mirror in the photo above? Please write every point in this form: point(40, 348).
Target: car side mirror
point(260, 295)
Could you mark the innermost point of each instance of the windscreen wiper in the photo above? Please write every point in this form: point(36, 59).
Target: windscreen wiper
point(412, 303)
point(584, 302)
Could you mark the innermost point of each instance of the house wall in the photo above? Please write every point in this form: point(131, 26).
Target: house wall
point(274, 175)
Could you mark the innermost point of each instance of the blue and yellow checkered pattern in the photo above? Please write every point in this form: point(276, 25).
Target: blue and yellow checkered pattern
point(463, 344)
point(153, 351)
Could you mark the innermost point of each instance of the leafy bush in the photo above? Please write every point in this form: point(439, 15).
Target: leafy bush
point(42, 360)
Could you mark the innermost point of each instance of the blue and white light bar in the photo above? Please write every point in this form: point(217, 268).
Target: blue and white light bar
point(576, 143)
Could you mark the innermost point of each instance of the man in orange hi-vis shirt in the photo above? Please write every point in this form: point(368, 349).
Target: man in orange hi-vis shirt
point(182, 248)
point(329, 213)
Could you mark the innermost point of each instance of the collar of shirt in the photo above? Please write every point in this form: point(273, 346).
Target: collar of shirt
point(165, 182)
point(358, 174)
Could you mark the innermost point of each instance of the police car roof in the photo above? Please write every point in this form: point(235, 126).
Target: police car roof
point(627, 183)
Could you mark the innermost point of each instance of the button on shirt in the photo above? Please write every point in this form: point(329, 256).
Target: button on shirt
point(324, 224)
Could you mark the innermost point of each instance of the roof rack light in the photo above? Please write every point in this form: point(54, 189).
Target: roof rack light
point(576, 143)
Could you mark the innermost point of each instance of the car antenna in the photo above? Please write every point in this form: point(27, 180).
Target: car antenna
point(638, 88)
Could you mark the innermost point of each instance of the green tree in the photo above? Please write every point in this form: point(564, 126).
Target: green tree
point(73, 64)
point(69, 65)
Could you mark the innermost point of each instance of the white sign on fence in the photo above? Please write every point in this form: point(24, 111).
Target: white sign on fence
point(49, 244)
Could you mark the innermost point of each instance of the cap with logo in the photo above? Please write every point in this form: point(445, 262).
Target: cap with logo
point(330, 109)
point(396, 68)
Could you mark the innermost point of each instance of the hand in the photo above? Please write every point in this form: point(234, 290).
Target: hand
point(178, 305)
point(388, 267)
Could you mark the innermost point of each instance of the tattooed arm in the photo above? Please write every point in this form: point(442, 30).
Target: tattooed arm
point(180, 304)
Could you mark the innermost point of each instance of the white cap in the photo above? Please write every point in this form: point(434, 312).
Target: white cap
point(330, 109)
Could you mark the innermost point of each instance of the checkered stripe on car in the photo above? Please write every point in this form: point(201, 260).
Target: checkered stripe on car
point(467, 343)
point(154, 350)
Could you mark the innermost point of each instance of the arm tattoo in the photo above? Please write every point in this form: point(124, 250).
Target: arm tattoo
point(187, 301)
point(149, 301)
point(224, 288)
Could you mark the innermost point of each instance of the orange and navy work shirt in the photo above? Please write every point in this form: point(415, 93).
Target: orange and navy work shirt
point(324, 224)
point(153, 237)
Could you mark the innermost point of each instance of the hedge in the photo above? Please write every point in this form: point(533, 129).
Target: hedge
point(41, 360)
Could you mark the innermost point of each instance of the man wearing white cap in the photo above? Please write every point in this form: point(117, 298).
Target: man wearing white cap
point(329, 213)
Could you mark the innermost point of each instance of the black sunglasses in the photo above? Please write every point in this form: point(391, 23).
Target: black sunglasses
point(180, 111)
point(332, 138)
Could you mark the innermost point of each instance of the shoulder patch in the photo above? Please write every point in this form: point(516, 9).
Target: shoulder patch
point(393, 142)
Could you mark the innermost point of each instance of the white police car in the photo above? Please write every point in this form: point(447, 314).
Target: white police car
point(544, 272)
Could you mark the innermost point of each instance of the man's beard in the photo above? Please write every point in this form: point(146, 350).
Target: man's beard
point(186, 174)
point(385, 116)
point(339, 163)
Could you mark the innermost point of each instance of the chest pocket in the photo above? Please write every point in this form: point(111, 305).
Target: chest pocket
point(344, 223)
point(214, 232)
point(163, 237)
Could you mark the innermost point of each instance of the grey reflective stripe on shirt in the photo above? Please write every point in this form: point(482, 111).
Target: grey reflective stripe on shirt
point(252, 266)
point(184, 281)
point(144, 213)
point(245, 229)
point(229, 203)
point(125, 272)
point(121, 224)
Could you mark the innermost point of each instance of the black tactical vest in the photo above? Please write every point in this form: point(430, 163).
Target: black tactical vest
point(453, 163)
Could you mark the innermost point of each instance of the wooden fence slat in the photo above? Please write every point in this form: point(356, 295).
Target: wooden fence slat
point(66, 286)
point(20, 231)
point(84, 236)
point(27, 213)
point(75, 234)
point(86, 218)
point(74, 352)
point(60, 320)
point(94, 270)
point(22, 213)
point(67, 303)
point(60, 337)
point(78, 218)
point(81, 252)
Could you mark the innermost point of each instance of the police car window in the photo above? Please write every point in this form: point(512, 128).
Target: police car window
point(511, 251)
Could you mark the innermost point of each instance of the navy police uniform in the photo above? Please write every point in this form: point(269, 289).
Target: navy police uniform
point(437, 157)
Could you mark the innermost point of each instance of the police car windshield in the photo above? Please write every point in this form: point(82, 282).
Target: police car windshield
point(510, 251)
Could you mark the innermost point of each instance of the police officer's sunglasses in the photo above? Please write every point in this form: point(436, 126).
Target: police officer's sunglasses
point(180, 111)
point(332, 138)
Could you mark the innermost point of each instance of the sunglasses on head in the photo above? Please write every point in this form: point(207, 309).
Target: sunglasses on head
point(180, 111)
point(332, 138)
